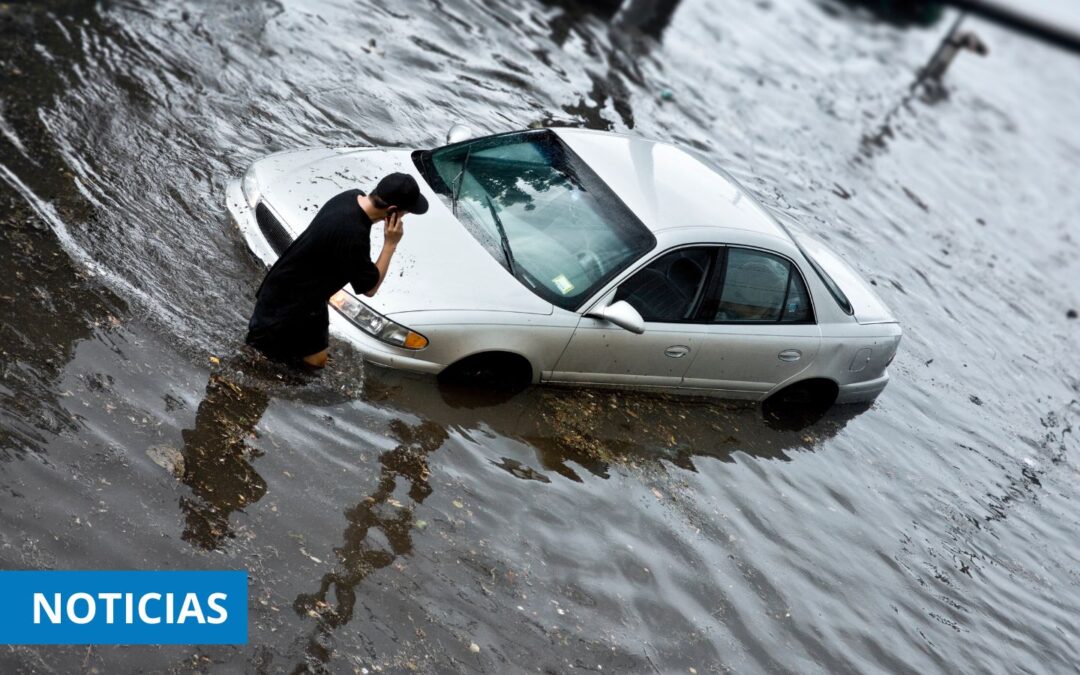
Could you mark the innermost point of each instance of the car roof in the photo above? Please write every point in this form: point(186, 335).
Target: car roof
point(666, 186)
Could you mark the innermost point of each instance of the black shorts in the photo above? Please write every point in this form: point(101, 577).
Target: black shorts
point(292, 338)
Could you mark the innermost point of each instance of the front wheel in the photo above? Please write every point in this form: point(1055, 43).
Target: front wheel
point(491, 370)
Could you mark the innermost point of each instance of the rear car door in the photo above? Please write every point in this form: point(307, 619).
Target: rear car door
point(668, 293)
point(761, 326)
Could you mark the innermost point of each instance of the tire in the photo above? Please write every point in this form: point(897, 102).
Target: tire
point(799, 405)
point(489, 370)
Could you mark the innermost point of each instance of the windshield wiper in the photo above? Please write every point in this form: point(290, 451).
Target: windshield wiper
point(502, 235)
point(458, 181)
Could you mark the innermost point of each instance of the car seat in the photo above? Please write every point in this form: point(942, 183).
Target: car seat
point(754, 292)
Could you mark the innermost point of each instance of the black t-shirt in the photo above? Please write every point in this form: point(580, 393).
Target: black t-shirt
point(334, 250)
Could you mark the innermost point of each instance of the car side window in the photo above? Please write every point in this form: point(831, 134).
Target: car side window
point(670, 288)
point(761, 287)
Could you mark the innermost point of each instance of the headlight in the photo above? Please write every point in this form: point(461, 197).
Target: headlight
point(374, 324)
point(250, 187)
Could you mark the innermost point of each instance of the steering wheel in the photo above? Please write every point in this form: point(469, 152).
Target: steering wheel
point(587, 257)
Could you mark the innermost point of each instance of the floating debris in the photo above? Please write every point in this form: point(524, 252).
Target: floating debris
point(167, 458)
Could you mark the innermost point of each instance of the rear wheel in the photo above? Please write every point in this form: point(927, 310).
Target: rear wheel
point(800, 404)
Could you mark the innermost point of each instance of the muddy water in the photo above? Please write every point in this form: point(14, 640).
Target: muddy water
point(390, 524)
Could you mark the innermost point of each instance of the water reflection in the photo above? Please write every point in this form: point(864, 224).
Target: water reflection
point(900, 13)
point(929, 83)
point(650, 17)
point(634, 28)
point(216, 462)
point(592, 429)
point(332, 604)
point(48, 308)
point(568, 429)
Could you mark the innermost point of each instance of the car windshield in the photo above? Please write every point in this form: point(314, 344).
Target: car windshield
point(540, 211)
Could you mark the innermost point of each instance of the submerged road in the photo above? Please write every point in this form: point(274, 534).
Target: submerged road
point(392, 526)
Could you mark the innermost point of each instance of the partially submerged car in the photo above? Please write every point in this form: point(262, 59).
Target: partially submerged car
point(581, 257)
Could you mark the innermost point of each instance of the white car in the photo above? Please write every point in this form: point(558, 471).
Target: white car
point(570, 256)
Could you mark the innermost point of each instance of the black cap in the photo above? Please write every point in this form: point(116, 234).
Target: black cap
point(401, 190)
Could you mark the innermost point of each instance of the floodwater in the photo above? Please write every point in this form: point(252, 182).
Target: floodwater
point(390, 525)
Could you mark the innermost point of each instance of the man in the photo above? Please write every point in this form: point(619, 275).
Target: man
point(291, 318)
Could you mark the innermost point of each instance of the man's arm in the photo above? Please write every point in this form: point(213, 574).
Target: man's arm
point(392, 233)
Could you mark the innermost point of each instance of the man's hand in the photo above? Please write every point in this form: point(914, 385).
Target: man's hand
point(393, 228)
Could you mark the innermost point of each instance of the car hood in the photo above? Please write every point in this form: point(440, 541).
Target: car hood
point(438, 264)
point(867, 305)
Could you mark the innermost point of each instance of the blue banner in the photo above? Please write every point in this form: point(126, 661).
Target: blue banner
point(134, 608)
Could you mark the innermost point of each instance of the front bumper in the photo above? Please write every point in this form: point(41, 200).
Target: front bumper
point(244, 218)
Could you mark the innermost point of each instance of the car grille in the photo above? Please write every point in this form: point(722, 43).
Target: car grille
point(272, 229)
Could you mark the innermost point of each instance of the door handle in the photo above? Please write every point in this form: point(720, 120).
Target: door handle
point(677, 351)
point(789, 355)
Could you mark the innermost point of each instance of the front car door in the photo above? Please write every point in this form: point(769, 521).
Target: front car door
point(762, 328)
point(668, 293)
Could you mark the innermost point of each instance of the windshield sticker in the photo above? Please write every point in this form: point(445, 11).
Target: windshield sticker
point(563, 284)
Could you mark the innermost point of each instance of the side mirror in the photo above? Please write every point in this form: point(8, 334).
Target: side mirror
point(458, 133)
point(622, 314)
